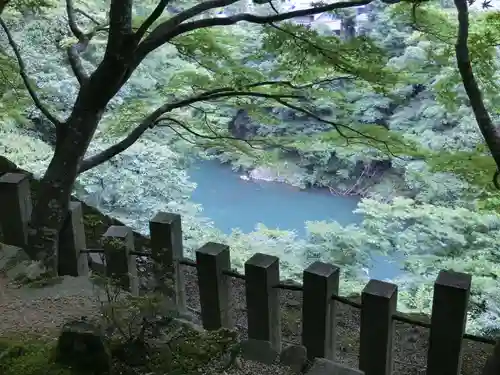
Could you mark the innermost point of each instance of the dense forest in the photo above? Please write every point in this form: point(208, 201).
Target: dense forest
point(377, 110)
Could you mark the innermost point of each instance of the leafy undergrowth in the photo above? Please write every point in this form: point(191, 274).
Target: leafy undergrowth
point(29, 356)
point(192, 353)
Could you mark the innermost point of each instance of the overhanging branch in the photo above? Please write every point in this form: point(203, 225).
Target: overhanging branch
point(483, 119)
point(225, 92)
point(26, 80)
point(149, 122)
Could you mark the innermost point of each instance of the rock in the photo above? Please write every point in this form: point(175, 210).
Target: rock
point(24, 270)
point(81, 345)
point(322, 366)
point(258, 350)
point(242, 126)
point(34, 270)
point(295, 357)
point(492, 366)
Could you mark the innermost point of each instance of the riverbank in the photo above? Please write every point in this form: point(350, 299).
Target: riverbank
point(410, 343)
point(373, 179)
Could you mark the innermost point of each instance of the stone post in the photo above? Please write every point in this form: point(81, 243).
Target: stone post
point(263, 308)
point(321, 282)
point(15, 208)
point(212, 259)
point(448, 320)
point(118, 242)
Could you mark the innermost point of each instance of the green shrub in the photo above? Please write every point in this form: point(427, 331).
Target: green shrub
point(30, 358)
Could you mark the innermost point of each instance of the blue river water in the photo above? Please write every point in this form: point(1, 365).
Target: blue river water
point(235, 203)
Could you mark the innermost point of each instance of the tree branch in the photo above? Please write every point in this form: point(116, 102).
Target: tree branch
point(483, 119)
point(151, 19)
point(170, 29)
point(76, 49)
point(70, 10)
point(167, 26)
point(22, 71)
point(149, 121)
point(86, 15)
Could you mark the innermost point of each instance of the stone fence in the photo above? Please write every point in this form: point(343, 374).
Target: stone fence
point(320, 287)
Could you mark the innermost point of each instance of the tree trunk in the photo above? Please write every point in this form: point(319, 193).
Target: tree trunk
point(73, 139)
point(56, 186)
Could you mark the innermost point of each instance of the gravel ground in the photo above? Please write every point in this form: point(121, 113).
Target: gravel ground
point(41, 311)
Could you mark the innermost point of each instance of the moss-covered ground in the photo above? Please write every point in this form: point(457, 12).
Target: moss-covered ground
point(194, 352)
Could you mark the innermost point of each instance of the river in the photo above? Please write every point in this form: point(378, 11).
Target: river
point(235, 203)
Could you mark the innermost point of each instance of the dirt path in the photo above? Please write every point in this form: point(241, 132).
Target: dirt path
point(42, 311)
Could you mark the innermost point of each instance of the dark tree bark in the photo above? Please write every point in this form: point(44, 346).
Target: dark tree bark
point(488, 129)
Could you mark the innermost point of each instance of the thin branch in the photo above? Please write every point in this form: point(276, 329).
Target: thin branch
point(84, 39)
point(76, 49)
point(70, 10)
point(167, 26)
point(143, 29)
point(250, 142)
point(86, 15)
point(335, 125)
point(22, 71)
point(304, 86)
point(335, 61)
point(75, 62)
point(149, 121)
point(199, 135)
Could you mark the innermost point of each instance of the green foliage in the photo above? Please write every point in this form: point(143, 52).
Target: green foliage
point(474, 167)
point(439, 26)
point(29, 358)
point(31, 5)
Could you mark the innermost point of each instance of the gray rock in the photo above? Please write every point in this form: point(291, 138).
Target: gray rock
point(81, 346)
point(322, 366)
point(295, 357)
point(258, 350)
